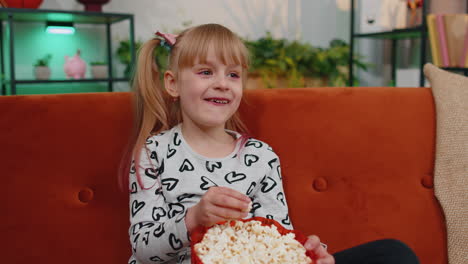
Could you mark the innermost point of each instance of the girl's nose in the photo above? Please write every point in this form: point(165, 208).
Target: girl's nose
point(222, 83)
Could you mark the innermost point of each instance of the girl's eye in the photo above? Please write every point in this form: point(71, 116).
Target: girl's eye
point(234, 75)
point(205, 72)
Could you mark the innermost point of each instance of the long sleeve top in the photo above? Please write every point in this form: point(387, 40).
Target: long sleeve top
point(174, 178)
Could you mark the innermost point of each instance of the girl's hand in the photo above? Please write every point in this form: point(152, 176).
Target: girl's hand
point(217, 204)
point(323, 257)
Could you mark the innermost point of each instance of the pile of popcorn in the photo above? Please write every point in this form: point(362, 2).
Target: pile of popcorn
point(249, 242)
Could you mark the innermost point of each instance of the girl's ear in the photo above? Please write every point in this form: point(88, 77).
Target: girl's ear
point(170, 84)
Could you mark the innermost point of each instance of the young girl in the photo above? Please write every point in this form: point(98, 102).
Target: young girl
point(190, 164)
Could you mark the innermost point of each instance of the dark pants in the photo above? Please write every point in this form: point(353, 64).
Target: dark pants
point(386, 251)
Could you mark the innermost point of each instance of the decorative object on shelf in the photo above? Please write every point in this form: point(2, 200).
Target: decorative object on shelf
point(123, 52)
point(344, 5)
point(21, 3)
point(41, 68)
point(370, 16)
point(75, 67)
point(393, 14)
point(99, 70)
point(93, 5)
point(415, 15)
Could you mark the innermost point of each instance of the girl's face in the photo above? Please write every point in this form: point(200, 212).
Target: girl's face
point(209, 92)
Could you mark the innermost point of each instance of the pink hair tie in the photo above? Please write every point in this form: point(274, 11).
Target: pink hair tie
point(169, 39)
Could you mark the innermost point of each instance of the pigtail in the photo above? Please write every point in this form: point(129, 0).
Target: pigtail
point(151, 112)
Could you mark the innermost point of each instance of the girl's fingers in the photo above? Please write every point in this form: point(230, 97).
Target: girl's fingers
point(323, 257)
point(235, 194)
point(231, 203)
point(312, 243)
point(226, 213)
point(327, 260)
point(228, 198)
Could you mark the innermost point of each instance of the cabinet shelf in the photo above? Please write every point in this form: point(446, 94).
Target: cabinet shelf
point(414, 32)
point(42, 15)
point(71, 81)
point(419, 31)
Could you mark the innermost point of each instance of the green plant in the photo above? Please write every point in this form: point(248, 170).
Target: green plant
point(124, 54)
point(95, 63)
point(272, 59)
point(161, 55)
point(43, 61)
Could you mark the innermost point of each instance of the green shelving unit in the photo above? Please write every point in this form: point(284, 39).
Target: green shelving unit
point(10, 16)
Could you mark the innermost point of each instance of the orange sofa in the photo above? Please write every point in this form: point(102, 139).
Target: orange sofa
point(357, 163)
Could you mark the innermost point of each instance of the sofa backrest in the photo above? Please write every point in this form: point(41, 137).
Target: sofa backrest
point(357, 165)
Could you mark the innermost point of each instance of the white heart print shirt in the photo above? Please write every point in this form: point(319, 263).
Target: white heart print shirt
point(175, 178)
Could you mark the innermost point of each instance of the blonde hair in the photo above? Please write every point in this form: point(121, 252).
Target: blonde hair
point(154, 111)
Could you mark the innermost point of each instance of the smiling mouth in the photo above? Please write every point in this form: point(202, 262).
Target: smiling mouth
point(220, 101)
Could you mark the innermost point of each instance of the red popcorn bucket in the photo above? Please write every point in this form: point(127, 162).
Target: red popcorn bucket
point(198, 234)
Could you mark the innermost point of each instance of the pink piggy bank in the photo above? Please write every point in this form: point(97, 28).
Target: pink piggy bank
point(75, 67)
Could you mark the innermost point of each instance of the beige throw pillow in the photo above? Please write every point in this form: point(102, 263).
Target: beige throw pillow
point(450, 93)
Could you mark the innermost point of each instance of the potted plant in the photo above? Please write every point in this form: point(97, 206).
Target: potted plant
point(41, 68)
point(283, 63)
point(99, 70)
point(124, 55)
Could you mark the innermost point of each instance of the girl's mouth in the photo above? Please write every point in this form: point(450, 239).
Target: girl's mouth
point(218, 101)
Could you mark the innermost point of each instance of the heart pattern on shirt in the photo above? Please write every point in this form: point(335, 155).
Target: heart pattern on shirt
point(254, 143)
point(137, 227)
point(286, 221)
point(186, 166)
point(211, 166)
point(170, 151)
point(156, 259)
point(182, 258)
point(255, 206)
point(175, 209)
point(137, 206)
point(249, 159)
point(177, 140)
point(160, 170)
point(172, 255)
point(268, 184)
point(134, 188)
point(159, 230)
point(154, 156)
point(146, 237)
point(271, 162)
point(184, 196)
point(207, 183)
point(135, 242)
point(280, 197)
point(151, 172)
point(251, 188)
point(233, 177)
point(170, 183)
point(158, 213)
point(175, 243)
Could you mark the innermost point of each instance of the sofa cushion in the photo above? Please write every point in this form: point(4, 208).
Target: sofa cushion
point(451, 175)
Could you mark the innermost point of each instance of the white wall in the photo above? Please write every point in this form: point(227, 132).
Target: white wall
point(314, 21)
